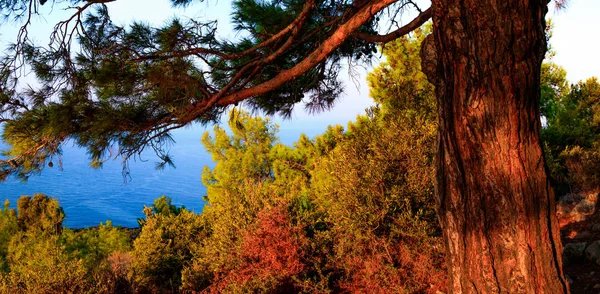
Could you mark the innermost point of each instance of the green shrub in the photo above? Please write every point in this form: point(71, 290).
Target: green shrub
point(8, 228)
point(40, 213)
point(39, 256)
point(95, 245)
point(583, 167)
point(39, 264)
point(163, 249)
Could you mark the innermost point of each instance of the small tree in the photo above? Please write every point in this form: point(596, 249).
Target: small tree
point(40, 213)
point(164, 248)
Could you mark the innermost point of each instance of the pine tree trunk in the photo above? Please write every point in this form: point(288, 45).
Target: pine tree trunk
point(494, 200)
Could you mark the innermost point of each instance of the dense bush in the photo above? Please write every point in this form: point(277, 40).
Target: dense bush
point(39, 256)
point(583, 166)
point(40, 213)
point(8, 228)
point(572, 131)
point(163, 249)
point(269, 259)
point(40, 264)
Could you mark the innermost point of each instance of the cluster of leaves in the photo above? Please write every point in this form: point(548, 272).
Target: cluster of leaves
point(39, 256)
point(572, 129)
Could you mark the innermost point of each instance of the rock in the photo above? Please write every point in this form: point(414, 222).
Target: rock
point(563, 208)
point(597, 286)
point(573, 251)
point(592, 197)
point(592, 252)
point(567, 198)
point(596, 228)
point(583, 209)
point(583, 235)
point(563, 213)
point(585, 206)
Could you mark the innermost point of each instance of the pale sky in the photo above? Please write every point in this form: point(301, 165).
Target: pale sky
point(575, 41)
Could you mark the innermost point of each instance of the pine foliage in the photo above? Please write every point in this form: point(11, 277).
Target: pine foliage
point(126, 87)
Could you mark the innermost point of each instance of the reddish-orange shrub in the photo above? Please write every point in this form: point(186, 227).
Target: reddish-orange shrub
point(271, 255)
point(376, 266)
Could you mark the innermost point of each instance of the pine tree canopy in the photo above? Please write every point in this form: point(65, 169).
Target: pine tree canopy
point(108, 87)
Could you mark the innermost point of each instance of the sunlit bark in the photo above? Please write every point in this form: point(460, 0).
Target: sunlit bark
point(495, 202)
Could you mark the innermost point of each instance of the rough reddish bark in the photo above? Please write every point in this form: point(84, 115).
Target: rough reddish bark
point(495, 202)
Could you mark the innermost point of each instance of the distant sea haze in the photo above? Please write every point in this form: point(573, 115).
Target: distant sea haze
point(90, 196)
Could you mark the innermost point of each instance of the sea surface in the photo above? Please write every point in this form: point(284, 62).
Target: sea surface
point(91, 196)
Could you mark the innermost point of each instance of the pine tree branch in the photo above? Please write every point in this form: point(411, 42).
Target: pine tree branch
point(411, 26)
point(308, 6)
point(342, 33)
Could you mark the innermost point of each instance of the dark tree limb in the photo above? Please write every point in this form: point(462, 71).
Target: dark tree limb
point(411, 26)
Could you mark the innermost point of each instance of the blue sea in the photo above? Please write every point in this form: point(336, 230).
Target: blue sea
point(90, 196)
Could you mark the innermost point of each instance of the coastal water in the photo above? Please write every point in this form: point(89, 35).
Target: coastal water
point(90, 196)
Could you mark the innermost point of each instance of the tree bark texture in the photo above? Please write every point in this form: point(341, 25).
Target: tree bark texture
point(494, 199)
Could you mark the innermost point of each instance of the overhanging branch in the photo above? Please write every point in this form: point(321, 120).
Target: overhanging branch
point(411, 26)
point(342, 33)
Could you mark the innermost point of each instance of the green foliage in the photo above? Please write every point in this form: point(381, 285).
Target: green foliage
point(553, 86)
point(243, 155)
point(39, 264)
point(94, 245)
point(576, 119)
point(129, 86)
point(163, 249)
point(162, 205)
point(29, 153)
point(39, 256)
point(8, 228)
point(398, 84)
point(39, 214)
point(362, 198)
point(237, 189)
point(572, 131)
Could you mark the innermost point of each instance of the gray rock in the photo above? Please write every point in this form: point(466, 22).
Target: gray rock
point(596, 228)
point(573, 251)
point(585, 206)
point(583, 209)
point(567, 198)
point(592, 252)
